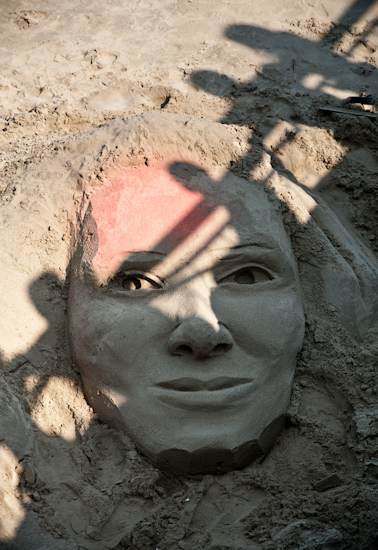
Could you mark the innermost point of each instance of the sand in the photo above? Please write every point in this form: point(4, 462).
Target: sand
point(262, 70)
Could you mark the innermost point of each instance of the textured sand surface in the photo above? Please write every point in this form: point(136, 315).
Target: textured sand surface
point(262, 70)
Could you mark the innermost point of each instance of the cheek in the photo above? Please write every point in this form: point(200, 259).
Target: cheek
point(110, 337)
point(266, 324)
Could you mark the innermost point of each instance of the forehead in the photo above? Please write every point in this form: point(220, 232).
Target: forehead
point(160, 207)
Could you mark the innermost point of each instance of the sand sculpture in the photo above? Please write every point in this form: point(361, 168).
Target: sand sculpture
point(200, 283)
point(186, 313)
point(187, 319)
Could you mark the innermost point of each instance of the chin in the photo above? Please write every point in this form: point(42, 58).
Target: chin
point(196, 445)
point(211, 455)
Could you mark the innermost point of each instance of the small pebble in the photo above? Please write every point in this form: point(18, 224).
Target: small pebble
point(132, 455)
point(328, 483)
point(307, 512)
point(29, 474)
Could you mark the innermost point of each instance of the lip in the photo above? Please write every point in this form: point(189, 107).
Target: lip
point(205, 394)
point(195, 385)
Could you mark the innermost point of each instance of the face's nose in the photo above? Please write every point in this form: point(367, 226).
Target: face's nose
point(197, 338)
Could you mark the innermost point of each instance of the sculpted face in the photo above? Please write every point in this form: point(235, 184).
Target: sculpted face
point(185, 316)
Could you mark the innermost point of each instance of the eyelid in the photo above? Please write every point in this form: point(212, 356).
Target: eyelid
point(247, 265)
point(147, 276)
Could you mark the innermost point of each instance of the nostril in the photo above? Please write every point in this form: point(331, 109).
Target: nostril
point(221, 348)
point(187, 351)
point(196, 339)
point(183, 350)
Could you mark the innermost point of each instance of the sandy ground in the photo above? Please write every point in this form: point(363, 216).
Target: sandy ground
point(262, 70)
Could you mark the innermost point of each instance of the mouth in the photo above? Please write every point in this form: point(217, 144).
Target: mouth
point(186, 393)
point(195, 385)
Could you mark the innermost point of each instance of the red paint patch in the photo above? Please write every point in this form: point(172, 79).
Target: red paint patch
point(141, 210)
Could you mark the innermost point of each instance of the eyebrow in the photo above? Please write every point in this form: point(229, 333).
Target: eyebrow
point(141, 258)
point(151, 258)
point(238, 250)
point(148, 255)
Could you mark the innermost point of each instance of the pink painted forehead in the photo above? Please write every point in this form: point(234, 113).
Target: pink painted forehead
point(141, 210)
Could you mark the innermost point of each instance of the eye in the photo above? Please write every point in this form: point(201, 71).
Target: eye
point(247, 276)
point(132, 281)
